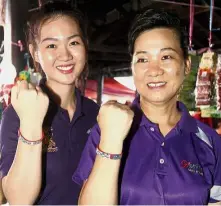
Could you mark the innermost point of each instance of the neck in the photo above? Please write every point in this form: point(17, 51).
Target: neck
point(63, 95)
point(161, 114)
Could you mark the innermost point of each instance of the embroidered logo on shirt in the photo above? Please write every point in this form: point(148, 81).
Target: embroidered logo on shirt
point(194, 168)
point(49, 144)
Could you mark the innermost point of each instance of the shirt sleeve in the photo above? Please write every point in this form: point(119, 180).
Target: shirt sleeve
point(215, 192)
point(88, 157)
point(9, 126)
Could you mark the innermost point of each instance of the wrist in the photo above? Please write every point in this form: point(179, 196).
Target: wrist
point(111, 146)
point(108, 155)
point(31, 133)
point(31, 123)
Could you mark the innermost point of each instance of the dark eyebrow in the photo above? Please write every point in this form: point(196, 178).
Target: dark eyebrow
point(56, 39)
point(163, 49)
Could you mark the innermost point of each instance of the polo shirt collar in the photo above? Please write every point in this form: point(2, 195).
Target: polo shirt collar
point(79, 107)
point(186, 123)
point(139, 116)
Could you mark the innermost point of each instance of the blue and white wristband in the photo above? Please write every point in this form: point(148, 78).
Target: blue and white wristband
point(108, 155)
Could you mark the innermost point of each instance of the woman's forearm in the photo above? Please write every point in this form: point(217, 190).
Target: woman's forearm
point(23, 181)
point(101, 187)
point(2, 197)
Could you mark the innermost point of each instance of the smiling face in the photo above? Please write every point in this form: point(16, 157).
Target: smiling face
point(60, 50)
point(158, 65)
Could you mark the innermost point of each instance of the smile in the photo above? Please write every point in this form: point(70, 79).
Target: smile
point(156, 84)
point(66, 69)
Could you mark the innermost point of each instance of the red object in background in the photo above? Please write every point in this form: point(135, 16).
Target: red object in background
point(208, 121)
point(111, 87)
point(203, 87)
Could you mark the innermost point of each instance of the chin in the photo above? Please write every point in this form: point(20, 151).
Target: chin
point(65, 81)
point(69, 78)
point(159, 99)
point(156, 102)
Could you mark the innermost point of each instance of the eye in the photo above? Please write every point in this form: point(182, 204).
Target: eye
point(142, 60)
point(73, 43)
point(51, 46)
point(166, 57)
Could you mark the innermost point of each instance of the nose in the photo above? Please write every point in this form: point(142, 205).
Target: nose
point(154, 69)
point(64, 54)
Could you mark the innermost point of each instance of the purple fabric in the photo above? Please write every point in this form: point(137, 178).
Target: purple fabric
point(178, 169)
point(70, 139)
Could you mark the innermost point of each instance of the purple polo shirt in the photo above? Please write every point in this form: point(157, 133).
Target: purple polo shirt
point(66, 141)
point(182, 168)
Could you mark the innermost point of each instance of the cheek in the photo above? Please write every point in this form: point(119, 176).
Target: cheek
point(179, 73)
point(80, 55)
point(138, 73)
point(171, 71)
point(177, 76)
point(46, 57)
point(175, 70)
point(81, 59)
point(139, 79)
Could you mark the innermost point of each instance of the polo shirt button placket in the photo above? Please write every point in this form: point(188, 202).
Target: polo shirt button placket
point(152, 129)
point(161, 161)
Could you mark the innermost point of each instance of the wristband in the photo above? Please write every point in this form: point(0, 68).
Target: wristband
point(108, 155)
point(29, 142)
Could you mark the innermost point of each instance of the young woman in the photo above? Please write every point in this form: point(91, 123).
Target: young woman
point(155, 153)
point(39, 155)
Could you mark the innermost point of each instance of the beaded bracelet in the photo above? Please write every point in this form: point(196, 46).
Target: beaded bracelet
point(29, 142)
point(108, 155)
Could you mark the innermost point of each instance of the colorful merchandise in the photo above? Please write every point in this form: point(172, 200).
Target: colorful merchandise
point(205, 79)
point(218, 83)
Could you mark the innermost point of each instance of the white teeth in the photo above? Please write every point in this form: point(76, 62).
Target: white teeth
point(65, 68)
point(156, 84)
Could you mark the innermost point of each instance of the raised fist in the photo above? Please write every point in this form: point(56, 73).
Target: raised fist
point(115, 121)
point(30, 103)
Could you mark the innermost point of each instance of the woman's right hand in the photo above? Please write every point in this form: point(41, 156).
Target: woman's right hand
point(31, 105)
point(114, 120)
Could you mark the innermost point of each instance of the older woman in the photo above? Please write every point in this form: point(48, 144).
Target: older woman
point(155, 153)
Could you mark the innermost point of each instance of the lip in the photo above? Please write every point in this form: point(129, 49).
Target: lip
point(63, 71)
point(162, 84)
point(65, 65)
